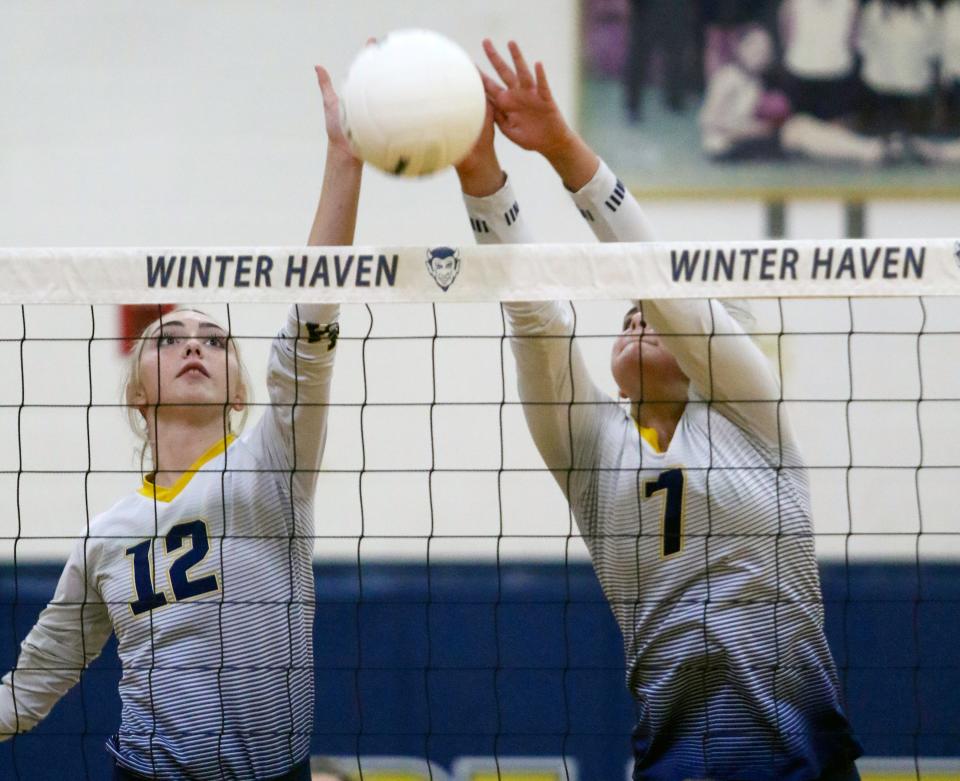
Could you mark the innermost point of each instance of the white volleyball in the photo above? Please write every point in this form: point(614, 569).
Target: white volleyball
point(412, 103)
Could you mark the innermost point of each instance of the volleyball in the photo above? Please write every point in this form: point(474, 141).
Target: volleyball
point(412, 103)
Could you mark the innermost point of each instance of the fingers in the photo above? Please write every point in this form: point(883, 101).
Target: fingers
point(504, 71)
point(498, 116)
point(323, 79)
point(322, 75)
point(326, 86)
point(543, 86)
point(520, 64)
point(489, 85)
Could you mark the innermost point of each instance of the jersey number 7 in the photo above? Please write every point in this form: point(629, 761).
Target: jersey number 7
point(671, 484)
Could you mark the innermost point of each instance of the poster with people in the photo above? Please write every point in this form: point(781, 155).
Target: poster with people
point(842, 98)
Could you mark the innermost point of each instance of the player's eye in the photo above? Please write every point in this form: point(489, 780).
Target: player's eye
point(169, 340)
point(217, 341)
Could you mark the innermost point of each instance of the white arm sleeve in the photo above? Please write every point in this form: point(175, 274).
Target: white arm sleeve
point(292, 432)
point(69, 635)
point(723, 363)
point(610, 210)
point(561, 404)
point(496, 218)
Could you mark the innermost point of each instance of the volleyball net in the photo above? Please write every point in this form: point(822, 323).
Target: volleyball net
point(461, 632)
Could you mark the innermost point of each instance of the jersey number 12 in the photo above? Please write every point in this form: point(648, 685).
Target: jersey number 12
point(183, 587)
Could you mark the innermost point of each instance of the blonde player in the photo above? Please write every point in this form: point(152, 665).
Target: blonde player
point(205, 574)
point(693, 502)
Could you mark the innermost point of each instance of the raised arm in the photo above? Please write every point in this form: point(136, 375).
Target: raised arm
point(550, 369)
point(69, 635)
point(293, 431)
point(723, 364)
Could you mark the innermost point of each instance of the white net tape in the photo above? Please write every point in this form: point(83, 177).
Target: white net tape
point(481, 273)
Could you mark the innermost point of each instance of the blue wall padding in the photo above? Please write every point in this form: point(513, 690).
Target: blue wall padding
point(460, 660)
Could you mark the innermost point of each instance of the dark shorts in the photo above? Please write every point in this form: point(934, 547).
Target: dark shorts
point(883, 113)
point(847, 773)
point(951, 105)
point(753, 150)
point(825, 99)
point(301, 772)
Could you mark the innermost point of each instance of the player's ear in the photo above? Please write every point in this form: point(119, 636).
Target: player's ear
point(136, 396)
point(239, 400)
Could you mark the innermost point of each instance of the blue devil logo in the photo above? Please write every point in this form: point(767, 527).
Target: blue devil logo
point(443, 263)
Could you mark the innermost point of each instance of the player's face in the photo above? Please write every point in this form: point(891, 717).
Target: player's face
point(189, 363)
point(644, 369)
point(756, 51)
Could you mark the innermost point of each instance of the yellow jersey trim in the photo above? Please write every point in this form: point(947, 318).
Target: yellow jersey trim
point(651, 436)
point(169, 493)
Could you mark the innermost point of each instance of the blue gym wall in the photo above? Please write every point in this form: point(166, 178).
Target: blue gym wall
point(460, 660)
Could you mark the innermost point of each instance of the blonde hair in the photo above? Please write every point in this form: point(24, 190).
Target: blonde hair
point(131, 382)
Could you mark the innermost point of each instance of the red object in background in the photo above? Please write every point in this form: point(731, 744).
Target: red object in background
point(773, 106)
point(134, 318)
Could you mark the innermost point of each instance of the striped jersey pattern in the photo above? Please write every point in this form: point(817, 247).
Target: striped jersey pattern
point(221, 685)
point(723, 639)
point(705, 550)
point(208, 586)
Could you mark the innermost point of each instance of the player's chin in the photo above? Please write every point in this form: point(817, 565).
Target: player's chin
point(626, 373)
point(628, 358)
point(625, 351)
point(198, 399)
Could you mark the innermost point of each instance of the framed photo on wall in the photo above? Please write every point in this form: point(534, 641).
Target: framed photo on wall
point(854, 99)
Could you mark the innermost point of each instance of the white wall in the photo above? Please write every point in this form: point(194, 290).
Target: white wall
point(200, 123)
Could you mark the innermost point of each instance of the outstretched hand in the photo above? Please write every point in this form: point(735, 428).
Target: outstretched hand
point(480, 173)
point(524, 108)
point(527, 114)
point(336, 217)
point(331, 111)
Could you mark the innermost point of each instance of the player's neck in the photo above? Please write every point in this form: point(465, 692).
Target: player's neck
point(662, 416)
point(179, 443)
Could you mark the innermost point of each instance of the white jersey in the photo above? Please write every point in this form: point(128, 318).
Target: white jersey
point(818, 37)
point(208, 586)
point(704, 550)
point(950, 45)
point(900, 45)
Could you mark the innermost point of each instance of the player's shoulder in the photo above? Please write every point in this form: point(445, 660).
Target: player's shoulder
point(118, 515)
point(711, 423)
point(615, 431)
point(249, 446)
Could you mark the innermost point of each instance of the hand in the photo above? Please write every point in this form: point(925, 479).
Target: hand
point(480, 172)
point(527, 114)
point(331, 111)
